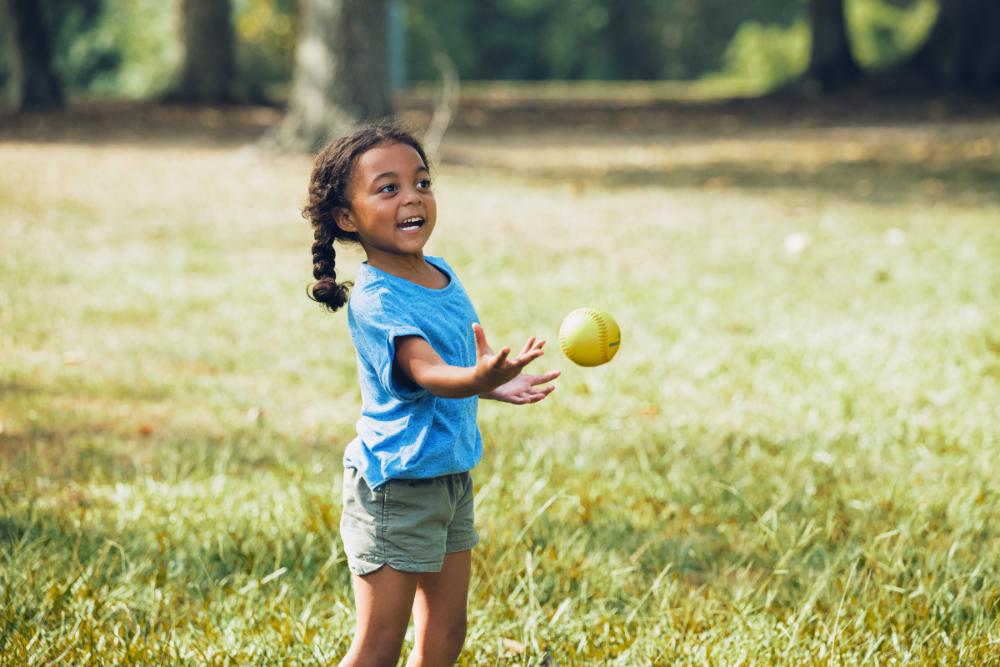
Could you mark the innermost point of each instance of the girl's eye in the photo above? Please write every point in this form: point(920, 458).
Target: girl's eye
point(424, 184)
point(389, 187)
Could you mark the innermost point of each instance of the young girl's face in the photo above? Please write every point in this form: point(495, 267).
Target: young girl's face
point(392, 206)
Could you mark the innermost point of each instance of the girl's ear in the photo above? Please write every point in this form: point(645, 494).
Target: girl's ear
point(345, 220)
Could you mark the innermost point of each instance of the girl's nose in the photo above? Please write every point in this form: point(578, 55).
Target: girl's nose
point(411, 195)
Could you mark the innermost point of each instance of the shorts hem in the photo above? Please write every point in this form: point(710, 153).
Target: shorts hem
point(361, 567)
point(463, 543)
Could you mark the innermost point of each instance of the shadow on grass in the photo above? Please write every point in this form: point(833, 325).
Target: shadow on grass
point(140, 123)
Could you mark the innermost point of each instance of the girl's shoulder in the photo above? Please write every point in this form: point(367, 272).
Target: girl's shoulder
point(370, 292)
point(375, 291)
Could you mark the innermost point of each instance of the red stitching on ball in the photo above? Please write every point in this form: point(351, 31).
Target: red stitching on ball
point(602, 332)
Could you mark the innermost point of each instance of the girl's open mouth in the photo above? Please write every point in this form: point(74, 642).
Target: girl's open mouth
point(411, 224)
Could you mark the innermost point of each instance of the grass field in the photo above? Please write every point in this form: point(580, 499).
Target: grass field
point(793, 459)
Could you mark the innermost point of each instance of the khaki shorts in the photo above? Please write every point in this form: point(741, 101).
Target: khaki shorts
point(407, 524)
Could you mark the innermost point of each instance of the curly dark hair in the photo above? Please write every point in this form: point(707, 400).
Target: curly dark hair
point(328, 193)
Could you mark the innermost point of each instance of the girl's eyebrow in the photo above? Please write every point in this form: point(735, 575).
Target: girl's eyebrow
point(392, 174)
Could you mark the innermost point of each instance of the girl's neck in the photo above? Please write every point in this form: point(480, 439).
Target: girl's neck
point(410, 267)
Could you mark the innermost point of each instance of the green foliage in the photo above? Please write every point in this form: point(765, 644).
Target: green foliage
point(881, 33)
point(141, 40)
point(764, 42)
point(767, 55)
point(138, 37)
point(580, 39)
point(130, 48)
point(884, 32)
point(78, 62)
point(110, 48)
point(265, 51)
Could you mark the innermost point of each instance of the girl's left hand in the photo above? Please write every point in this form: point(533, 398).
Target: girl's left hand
point(522, 389)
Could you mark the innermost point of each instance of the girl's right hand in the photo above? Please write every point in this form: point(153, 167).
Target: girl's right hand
point(493, 370)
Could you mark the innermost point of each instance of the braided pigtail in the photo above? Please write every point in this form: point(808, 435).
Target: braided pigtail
point(329, 196)
point(326, 290)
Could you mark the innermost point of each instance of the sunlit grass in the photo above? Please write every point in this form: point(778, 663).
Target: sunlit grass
point(793, 458)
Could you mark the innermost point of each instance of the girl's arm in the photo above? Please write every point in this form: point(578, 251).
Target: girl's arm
point(493, 376)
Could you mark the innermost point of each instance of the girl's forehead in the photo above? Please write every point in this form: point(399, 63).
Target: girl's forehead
point(392, 157)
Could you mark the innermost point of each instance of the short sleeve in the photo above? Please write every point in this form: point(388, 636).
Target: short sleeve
point(377, 328)
point(399, 387)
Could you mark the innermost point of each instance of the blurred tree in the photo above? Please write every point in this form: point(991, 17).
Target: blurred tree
point(265, 47)
point(962, 51)
point(84, 56)
point(581, 39)
point(631, 44)
point(832, 67)
point(208, 70)
point(35, 84)
point(341, 71)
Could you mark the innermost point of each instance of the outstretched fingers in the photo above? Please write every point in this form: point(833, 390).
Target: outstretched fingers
point(526, 359)
point(527, 346)
point(541, 393)
point(532, 350)
point(538, 393)
point(535, 395)
point(481, 345)
point(543, 378)
point(501, 358)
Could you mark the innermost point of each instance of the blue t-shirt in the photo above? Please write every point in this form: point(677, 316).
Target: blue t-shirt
point(406, 432)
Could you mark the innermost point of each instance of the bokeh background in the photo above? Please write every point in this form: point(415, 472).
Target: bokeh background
point(133, 49)
point(791, 208)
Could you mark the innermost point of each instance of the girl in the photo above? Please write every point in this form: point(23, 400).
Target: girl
point(423, 362)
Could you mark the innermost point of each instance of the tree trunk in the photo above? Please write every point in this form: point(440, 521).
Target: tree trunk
point(341, 72)
point(36, 86)
point(963, 49)
point(627, 40)
point(831, 65)
point(208, 73)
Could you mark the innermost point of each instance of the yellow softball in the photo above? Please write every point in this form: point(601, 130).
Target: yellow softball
point(589, 337)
